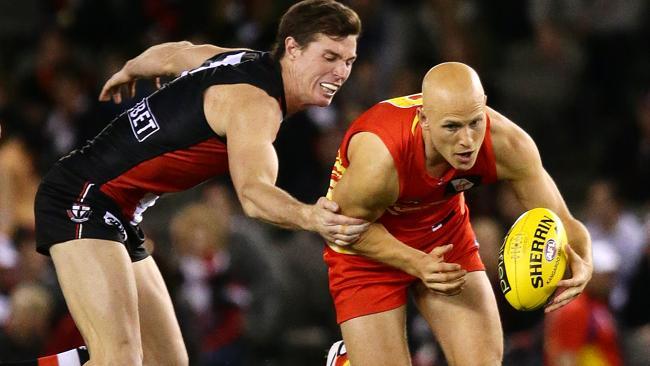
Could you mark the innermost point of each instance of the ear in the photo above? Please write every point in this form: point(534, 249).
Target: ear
point(291, 48)
point(422, 118)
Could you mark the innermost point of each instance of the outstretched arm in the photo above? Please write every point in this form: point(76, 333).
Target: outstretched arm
point(519, 162)
point(369, 185)
point(166, 59)
point(250, 131)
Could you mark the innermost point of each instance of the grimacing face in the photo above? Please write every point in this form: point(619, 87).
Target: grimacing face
point(456, 134)
point(323, 66)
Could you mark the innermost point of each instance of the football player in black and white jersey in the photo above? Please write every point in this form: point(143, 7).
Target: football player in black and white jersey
point(90, 204)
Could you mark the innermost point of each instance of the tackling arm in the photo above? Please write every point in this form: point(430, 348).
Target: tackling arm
point(519, 162)
point(253, 164)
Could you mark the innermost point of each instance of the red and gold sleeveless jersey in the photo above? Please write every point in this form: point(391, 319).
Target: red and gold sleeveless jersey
point(427, 208)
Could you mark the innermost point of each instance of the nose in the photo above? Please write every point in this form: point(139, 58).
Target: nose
point(342, 70)
point(466, 137)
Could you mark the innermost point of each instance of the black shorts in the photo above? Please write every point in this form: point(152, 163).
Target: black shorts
point(68, 207)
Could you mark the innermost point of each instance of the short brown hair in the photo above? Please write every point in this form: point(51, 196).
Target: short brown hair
point(306, 19)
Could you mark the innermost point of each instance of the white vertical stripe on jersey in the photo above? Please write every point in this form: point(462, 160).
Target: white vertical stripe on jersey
point(69, 358)
point(83, 196)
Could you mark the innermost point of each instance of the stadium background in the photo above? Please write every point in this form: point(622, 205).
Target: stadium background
point(575, 74)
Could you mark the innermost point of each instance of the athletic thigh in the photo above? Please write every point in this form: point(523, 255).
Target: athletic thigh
point(99, 286)
point(161, 335)
point(466, 325)
point(377, 339)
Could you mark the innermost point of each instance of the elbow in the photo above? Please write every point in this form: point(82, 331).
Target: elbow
point(576, 228)
point(184, 44)
point(248, 205)
point(250, 209)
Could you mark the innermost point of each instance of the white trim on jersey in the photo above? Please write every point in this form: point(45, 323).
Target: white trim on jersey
point(69, 358)
point(228, 60)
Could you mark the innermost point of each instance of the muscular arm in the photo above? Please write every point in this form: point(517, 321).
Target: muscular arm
point(250, 120)
point(252, 159)
point(369, 185)
point(519, 162)
point(166, 59)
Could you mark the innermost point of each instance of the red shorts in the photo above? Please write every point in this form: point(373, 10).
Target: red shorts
point(361, 286)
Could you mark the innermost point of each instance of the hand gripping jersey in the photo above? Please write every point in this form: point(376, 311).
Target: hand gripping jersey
point(164, 143)
point(427, 208)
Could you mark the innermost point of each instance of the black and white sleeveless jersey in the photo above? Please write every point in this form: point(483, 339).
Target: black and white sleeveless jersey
point(164, 143)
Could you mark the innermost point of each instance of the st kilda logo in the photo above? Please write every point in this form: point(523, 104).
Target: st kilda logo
point(79, 212)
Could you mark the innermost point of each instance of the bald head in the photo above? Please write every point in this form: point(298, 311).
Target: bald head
point(452, 115)
point(451, 86)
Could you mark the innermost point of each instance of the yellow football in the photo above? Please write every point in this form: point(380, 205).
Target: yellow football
point(532, 259)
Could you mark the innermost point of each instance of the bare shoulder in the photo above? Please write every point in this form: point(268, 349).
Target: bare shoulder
point(240, 94)
point(370, 183)
point(366, 147)
point(223, 104)
point(515, 151)
point(368, 153)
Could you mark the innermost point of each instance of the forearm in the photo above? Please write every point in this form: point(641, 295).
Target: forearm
point(579, 239)
point(381, 246)
point(271, 204)
point(157, 60)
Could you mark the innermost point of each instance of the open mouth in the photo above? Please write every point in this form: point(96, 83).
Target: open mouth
point(329, 88)
point(465, 157)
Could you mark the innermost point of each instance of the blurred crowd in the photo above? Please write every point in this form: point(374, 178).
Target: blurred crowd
point(573, 73)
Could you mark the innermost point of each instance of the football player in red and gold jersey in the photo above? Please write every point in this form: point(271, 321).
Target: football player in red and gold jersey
point(404, 164)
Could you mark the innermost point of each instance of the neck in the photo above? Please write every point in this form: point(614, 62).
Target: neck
point(435, 164)
point(291, 93)
point(436, 168)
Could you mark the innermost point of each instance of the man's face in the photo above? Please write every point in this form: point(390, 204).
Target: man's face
point(457, 129)
point(322, 66)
